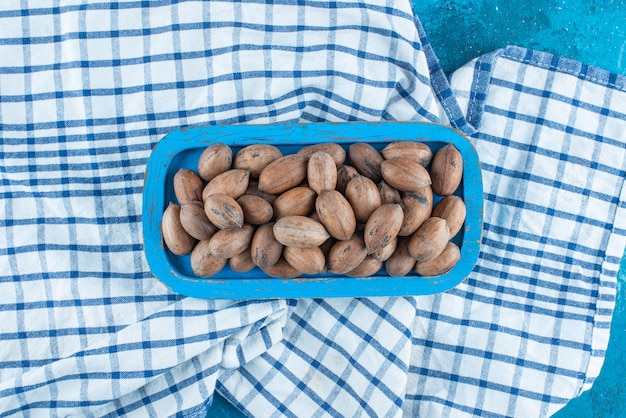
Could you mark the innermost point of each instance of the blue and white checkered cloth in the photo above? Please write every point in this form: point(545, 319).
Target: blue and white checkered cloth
point(86, 91)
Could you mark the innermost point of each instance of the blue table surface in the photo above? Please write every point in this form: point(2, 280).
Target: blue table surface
point(591, 31)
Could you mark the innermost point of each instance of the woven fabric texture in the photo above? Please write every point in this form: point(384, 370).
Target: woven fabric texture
point(87, 90)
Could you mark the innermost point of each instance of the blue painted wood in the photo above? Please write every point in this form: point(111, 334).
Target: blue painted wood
point(182, 149)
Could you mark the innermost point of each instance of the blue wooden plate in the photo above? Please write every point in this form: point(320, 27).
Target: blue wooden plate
point(181, 149)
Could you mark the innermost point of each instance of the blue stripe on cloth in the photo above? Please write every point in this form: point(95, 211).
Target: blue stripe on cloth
point(469, 411)
point(540, 121)
point(480, 84)
point(64, 275)
point(564, 65)
point(215, 109)
point(154, 59)
point(94, 302)
point(143, 4)
point(544, 269)
point(579, 247)
point(147, 400)
point(557, 183)
point(341, 383)
point(547, 94)
point(472, 381)
point(542, 254)
point(546, 210)
point(353, 363)
point(483, 354)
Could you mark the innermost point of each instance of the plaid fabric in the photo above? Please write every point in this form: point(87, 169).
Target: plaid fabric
point(86, 90)
point(526, 332)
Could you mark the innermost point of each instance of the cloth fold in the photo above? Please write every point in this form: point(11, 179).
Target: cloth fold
point(86, 91)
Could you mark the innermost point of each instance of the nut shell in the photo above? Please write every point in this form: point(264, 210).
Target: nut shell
point(282, 270)
point(253, 189)
point(446, 170)
point(223, 211)
point(417, 207)
point(327, 245)
point(256, 157)
point(231, 182)
point(283, 173)
point(429, 240)
point(336, 151)
point(382, 226)
point(384, 253)
point(388, 194)
point(405, 174)
point(307, 212)
point(345, 256)
point(187, 186)
point(297, 201)
point(401, 262)
point(442, 264)
point(265, 250)
point(300, 232)
point(368, 267)
point(364, 197)
point(203, 263)
point(366, 159)
point(417, 151)
point(306, 260)
point(195, 222)
point(336, 214)
point(177, 240)
point(229, 243)
point(214, 160)
point(345, 173)
point(321, 172)
point(256, 210)
point(453, 210)
point(241, 263)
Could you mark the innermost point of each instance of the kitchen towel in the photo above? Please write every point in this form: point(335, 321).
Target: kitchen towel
point(86, 91)
point(527, 331)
